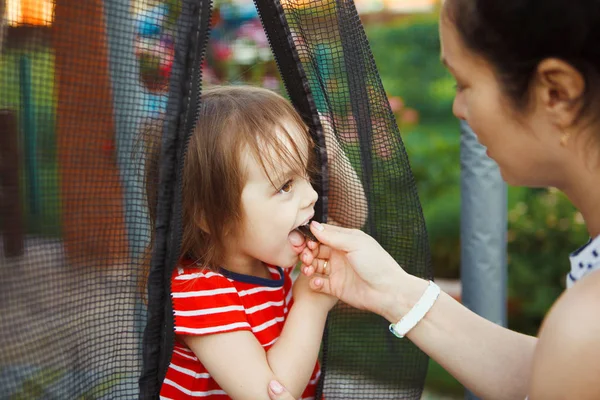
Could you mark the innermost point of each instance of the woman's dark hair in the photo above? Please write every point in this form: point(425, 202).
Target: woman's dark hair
point(516, 35)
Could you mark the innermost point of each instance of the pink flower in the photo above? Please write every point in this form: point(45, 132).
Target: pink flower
point(270, 82)
point(221, 51)
point(410, 116)
point(396, 104)
point(254, 31)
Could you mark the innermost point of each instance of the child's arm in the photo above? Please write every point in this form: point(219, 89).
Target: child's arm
point(345, 187)
point(241, 367)
point(301, 336)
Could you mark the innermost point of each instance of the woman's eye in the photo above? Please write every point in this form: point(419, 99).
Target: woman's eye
point(287, 187)
point(458, 87)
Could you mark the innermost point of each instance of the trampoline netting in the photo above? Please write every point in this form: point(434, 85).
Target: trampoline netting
point(84, 86)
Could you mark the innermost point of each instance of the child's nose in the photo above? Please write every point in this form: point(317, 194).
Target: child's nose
point(310, 196)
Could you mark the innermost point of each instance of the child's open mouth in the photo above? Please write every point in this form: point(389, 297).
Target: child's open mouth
point(305, 230)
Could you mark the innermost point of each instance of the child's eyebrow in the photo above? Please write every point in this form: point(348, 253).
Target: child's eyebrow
point(282, 178)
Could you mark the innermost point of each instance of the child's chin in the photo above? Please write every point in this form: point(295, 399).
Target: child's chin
point(283, 262)
point(290, 264)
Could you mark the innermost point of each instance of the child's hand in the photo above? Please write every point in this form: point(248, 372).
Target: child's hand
point(278, 392)
point(301, 292)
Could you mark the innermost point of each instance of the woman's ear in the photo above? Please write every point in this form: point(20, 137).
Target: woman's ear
point(560, 88)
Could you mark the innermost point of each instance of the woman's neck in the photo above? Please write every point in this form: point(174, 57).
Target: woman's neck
point(584, 193)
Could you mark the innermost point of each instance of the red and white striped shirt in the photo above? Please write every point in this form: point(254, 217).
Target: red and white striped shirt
point(207, 302)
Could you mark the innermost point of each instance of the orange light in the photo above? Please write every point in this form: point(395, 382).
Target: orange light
point(404, 6)
point(30, 12)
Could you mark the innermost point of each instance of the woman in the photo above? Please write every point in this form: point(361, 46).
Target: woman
point(528, 83)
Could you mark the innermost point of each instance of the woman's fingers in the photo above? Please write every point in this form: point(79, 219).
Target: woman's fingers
point(312, 245)
point(308, 270)
point(309, 254)
point(318, 266)
point(321, 266)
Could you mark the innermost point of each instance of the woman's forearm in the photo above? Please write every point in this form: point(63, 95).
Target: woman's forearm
point(293, 357)
point(491, 361)
point(348, 204)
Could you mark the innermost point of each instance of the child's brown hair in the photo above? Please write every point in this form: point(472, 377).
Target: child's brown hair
point(231, 119)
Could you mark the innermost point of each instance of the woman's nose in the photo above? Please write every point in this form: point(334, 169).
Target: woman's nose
point(458, 108)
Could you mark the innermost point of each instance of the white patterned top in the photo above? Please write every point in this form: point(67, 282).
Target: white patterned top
point(584, 260)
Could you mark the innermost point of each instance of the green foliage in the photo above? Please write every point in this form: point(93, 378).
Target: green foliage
point(408, 59)
point(435, 161)
point(543, 229)
point(36, 386)
point(102, 389)
point(174, 7)
point(442, 382)
point(47, 222)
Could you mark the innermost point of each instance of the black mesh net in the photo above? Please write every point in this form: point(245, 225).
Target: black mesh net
point(87, 90)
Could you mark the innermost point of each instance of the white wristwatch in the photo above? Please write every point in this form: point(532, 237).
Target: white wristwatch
point(416, 314)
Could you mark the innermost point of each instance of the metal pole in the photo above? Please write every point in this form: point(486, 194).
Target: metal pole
point(483, 232)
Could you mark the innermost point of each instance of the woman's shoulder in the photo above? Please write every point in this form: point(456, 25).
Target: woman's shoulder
point(566, 359)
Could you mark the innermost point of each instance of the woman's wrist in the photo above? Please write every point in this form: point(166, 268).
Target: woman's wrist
point(400, 297)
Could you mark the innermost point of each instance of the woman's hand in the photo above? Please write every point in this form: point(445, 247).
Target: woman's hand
point(278, 392)
point(352, 266)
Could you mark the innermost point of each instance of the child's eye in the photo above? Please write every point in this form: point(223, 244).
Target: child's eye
point(458, 87)
point(287, 187)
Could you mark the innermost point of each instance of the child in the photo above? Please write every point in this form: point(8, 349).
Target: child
point(238, 321)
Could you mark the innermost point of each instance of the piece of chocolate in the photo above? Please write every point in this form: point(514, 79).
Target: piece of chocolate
point(305, 230)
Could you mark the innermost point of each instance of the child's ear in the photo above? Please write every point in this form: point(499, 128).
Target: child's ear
point(200, 222)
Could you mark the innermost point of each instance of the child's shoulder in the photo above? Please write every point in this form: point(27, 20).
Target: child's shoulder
point(191, 277)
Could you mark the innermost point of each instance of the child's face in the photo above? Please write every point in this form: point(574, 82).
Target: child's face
point(270, 214)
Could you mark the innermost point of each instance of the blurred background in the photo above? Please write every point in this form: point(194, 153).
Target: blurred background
point(543, 227)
